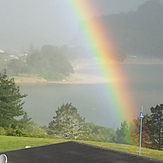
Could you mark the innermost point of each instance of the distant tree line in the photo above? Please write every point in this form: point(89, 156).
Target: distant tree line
point(50, 62)
point(70, 125)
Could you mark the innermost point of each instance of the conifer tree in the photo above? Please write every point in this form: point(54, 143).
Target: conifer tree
point(123, 134)
point(11, 103)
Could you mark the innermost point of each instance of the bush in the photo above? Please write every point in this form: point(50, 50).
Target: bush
point(30, 131)
point(15, 132)
point(2, 131)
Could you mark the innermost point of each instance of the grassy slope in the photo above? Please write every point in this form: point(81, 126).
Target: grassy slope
point(12, 143)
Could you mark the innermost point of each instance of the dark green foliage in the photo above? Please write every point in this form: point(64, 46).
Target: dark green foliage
point(152, 132)
point(155, 127)
point(67, 123)
point(25, 121)
point(31, 130)
point(123, 134)
point(10, 102)
point(70, 125)
point(100, 133)
point(2, 131)
point(15, 132)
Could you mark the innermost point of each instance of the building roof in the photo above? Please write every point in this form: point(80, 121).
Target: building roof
point(73, 152)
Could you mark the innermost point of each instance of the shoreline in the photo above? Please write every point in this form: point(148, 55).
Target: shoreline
point(80, 76)
point(73, 79)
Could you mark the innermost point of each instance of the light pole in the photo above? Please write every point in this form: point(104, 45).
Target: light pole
point(140, 133)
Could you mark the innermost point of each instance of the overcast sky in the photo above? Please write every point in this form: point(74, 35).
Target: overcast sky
point(48, 21)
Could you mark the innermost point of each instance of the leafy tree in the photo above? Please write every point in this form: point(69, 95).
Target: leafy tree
point(56, 59)
point(49, 63)
point(67, 123)
point(152, 136)
point(11, 109)
point(25, 121)
point(145, 135)
point(100, 133)
point(155, 127)
point(123, 134)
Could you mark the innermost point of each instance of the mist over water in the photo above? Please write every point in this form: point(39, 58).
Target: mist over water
point(93, 100)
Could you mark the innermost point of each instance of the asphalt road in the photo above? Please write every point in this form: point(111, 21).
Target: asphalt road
point(73, 152)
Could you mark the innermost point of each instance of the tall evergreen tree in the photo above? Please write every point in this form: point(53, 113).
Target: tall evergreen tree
point(67, 123)
point(123, 134)
point(11, 103)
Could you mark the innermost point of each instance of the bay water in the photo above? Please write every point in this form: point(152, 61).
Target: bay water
point(92, 99)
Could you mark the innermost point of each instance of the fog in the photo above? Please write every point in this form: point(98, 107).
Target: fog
point(48, 22)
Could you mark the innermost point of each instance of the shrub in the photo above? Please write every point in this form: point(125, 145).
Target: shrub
point(2, 131)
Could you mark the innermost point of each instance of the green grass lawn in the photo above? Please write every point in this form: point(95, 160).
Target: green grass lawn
point(11, 143)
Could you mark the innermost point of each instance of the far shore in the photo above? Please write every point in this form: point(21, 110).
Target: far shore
point(73, 79)
point(80, 77)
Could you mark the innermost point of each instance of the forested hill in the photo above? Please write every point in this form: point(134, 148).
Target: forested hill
point(138, 33)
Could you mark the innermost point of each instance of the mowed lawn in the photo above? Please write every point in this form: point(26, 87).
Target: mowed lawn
point(12, 143)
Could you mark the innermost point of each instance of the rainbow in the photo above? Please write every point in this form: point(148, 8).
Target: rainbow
point(105, 51)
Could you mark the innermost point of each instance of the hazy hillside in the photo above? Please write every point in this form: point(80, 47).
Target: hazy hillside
point(136, 33)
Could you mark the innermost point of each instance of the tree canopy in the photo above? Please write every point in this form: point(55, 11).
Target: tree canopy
point(152, 129)
point(123, 134)
point(67, 123)
point(49, 63)
point(155, 127)
point(146, 143)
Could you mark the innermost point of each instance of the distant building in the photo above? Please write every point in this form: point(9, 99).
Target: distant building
point(1, 51)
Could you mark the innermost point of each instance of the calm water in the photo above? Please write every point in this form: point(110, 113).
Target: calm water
point(92, 100)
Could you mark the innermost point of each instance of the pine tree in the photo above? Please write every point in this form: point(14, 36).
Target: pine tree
point(67, 123)
point(11, 108)
point(123, 134)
